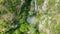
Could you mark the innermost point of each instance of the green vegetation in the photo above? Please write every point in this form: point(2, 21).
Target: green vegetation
point(20, 17)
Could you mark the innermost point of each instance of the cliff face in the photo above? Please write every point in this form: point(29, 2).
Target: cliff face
point(29, 16)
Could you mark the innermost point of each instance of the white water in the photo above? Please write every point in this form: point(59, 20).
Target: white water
point(32, 20)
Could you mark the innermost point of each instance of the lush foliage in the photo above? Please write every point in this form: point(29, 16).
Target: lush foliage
point(28, 17)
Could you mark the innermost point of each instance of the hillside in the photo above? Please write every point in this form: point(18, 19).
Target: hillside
point(29, 16)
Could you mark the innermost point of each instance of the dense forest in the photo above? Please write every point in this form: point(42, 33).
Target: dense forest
point(29, 16)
